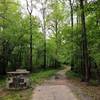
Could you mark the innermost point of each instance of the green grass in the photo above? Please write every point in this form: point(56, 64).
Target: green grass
point(94, 82)
point(36, 78)
point(2, 81)
point(72, 75)
point(15, 95)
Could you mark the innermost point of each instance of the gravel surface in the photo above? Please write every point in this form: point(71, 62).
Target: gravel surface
point(54, 89)
point(53, 92)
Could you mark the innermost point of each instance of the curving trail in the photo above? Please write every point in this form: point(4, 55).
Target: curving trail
point(54, 89)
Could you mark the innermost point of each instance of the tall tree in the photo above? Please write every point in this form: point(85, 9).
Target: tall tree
point(44, 30)
point(30, 10)
point(9, 16)
point(55, 21)
point(71, 18)
point(71, 12)
point(85, 55)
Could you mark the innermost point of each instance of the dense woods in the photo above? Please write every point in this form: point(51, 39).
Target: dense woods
point(62, 32)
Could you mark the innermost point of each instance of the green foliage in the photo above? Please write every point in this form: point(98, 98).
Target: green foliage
point(63, 44)
point(93, 37)
point(38, 78)
point(94, 82)
point(2, 81)
point(72, 75)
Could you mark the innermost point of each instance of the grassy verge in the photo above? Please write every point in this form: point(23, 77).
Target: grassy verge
point(36, 78)
point(2, 81)
point(72, 75)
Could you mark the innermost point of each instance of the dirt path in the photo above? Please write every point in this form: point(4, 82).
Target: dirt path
point(54, 89)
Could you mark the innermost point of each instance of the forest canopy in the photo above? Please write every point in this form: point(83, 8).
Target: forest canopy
point(40, 34)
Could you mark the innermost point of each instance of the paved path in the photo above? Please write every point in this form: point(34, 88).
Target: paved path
point(54, 89)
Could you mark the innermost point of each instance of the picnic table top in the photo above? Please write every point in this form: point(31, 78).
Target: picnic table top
point(19, 71)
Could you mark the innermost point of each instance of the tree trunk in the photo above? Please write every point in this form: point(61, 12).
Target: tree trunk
point(71, 12)
point(30, 10)
point(71, 17)
point(56, 30)
point(31, 43)
point(85, 61)
point(44, 31)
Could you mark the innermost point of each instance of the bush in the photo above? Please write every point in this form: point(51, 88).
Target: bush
point(71, 74)
point(94, 82)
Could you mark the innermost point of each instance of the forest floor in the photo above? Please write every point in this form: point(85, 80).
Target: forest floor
point(83, 90)
point(52, 85)
point(61, 87)
point(36, 78)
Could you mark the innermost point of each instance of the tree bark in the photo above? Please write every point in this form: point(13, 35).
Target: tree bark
point(56, 30)
point(85, 57)
point(71, 12)
point(31, 43)
point(30, 10)
point(44, 31)
point(71, 17)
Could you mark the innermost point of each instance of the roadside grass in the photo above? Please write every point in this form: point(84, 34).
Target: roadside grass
point(36, 78)
point(2, 80)
point(94, 83)
point(72, 75)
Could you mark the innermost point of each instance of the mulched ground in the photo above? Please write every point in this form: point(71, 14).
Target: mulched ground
point(84, 91)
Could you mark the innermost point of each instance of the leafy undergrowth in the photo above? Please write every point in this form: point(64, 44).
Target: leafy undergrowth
point(15, 95)
point(2, 81)
point(72, 75)
point(36, 78)
point(86, 91)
